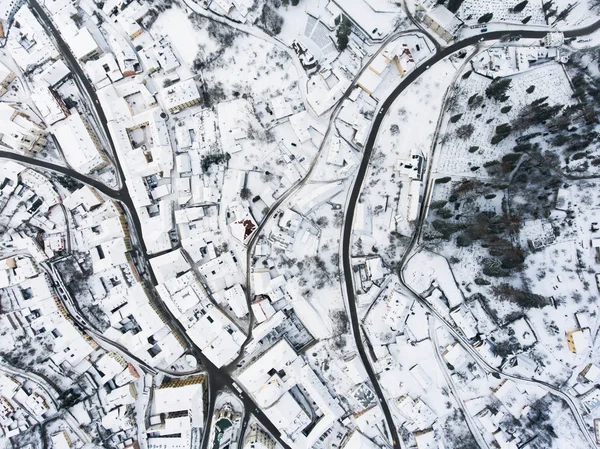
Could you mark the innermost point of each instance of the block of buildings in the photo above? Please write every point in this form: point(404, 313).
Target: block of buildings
point(6, 77)
point(79, 144)
point(181, 95)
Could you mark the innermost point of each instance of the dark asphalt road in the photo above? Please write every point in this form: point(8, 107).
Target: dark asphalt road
point(362, 171)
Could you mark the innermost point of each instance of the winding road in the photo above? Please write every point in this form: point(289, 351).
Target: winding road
point(355, 195)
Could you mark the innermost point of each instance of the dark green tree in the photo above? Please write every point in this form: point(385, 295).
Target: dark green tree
point(485, 18)
point(343, 33)
point(498, 88)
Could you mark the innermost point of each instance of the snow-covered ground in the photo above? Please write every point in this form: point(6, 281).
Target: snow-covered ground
point(458, 156)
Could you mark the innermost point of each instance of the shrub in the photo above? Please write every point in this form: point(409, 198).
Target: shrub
point(437, 204)
point(502, 132)
point(211, 159)
point(465, 131)
point(445, 228)
point(475, 101)
point(524, 299)
point(245, 193)
point(455, 118)
point(485, 18)
point(520, 6)
point(454, 5)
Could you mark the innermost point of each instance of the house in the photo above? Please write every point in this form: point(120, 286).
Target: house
point(418, 414)
point(18, 133)
point(181, 95)
point(55, 73)
point(6, 77)
point(243, 228)
point(425, 439)
point(554, 39)
point(578, 340)
point(591, 373)
point(28, 43)
point(257, 438)
point(181, 397)
point(83, 45)
point(61, 440)
point(121, 47)
point(87, 197)
point(443, 22)
point(269, 380)
point(50, 104)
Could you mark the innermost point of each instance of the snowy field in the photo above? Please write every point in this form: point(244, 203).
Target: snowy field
point(472, 10)
point(234, 63)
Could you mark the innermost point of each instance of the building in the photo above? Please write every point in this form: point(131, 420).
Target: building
point(177, 412)
point(50, 104)
point(79, 144)
point(28, 43)
point(440, 20)
point(398, 53)
point(591, 373)
point(227, 426)
point(257, 438)
point(181, 95)
point(18, 133)
point(129, 18)
point(55, 73)
point(6, 77)
point(120, 46)
point(84, 46)
point(61, 440)
point(578, 340)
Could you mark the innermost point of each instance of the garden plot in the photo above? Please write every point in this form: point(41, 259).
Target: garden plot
point(581, 13)
point(231, 63)
point(466, 156)
point(472, 10)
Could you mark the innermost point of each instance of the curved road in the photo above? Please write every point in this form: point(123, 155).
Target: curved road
point(360, 177)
